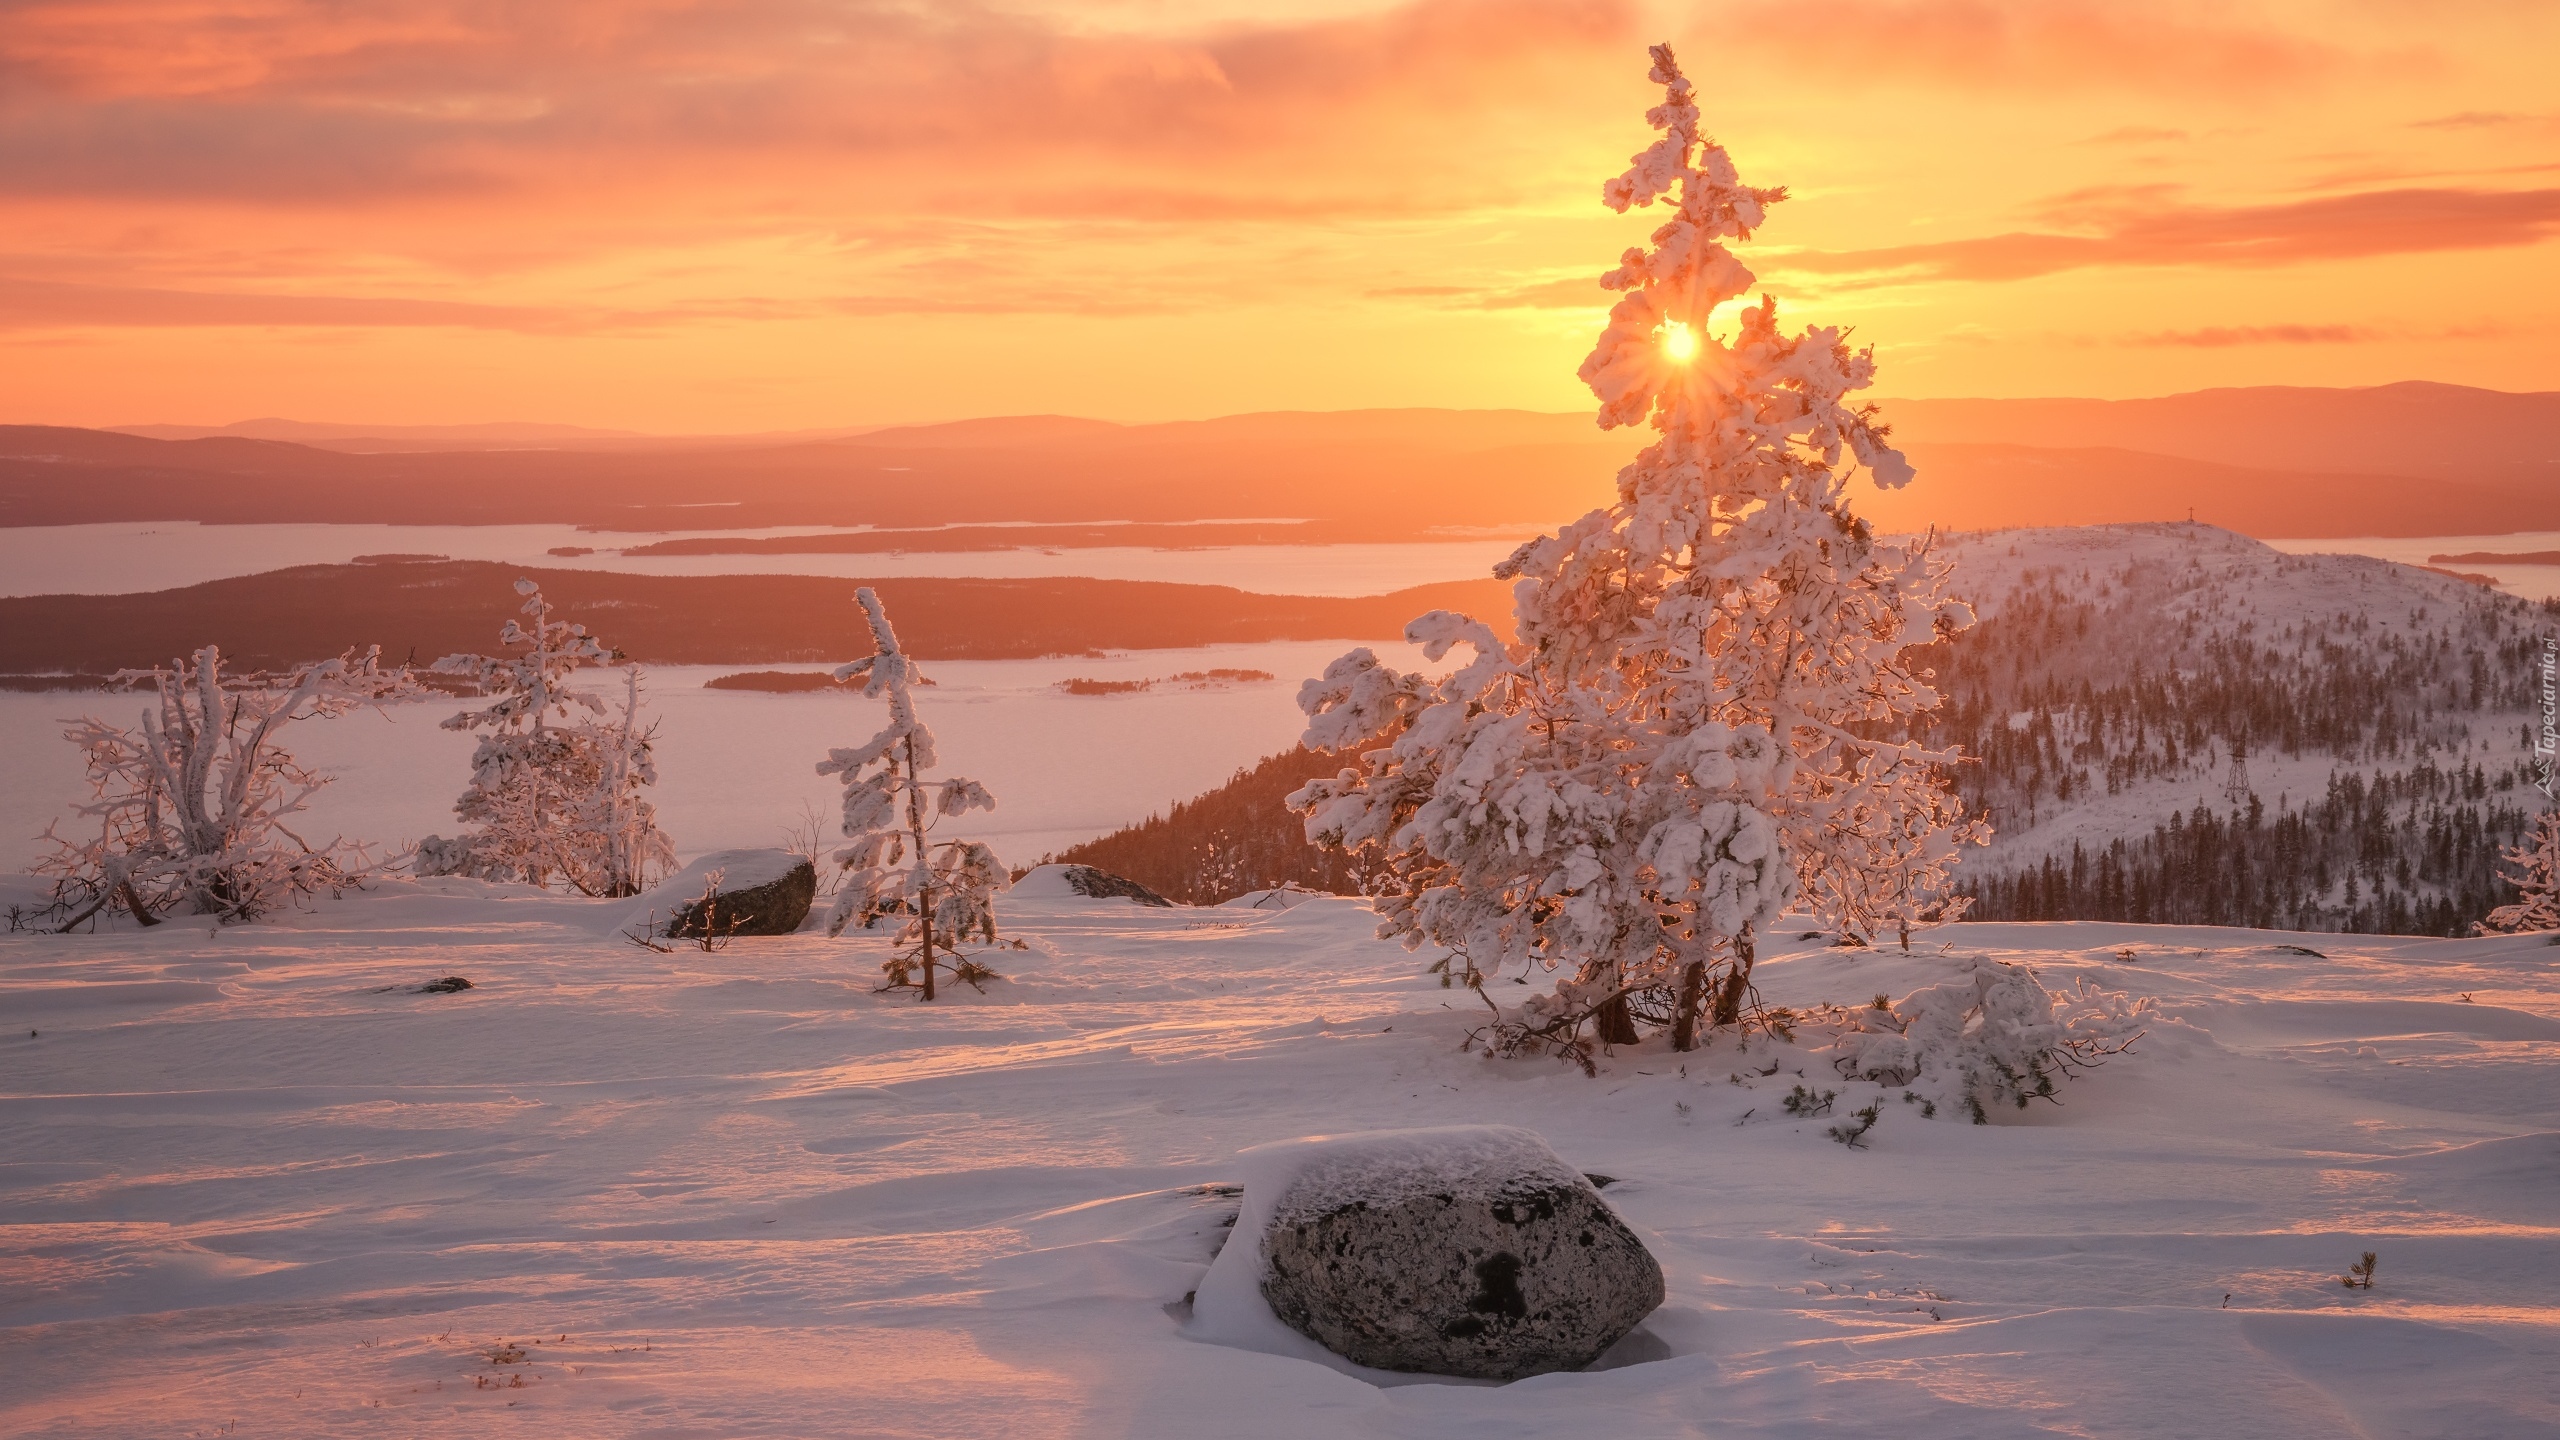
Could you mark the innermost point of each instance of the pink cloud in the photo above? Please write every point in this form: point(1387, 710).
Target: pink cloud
point(2141, 228)
point(2036, 44)
point(298, 102)
point(47, 304)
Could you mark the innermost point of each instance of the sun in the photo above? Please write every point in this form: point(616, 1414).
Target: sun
point(1679, 342)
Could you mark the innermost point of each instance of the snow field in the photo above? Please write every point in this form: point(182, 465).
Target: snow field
point(738, 1193)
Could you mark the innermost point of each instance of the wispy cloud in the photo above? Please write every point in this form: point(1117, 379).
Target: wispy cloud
point(2136, 135)
point(2473, 120)
point(1577, 293)
point(299, 102)
point(46, 304)
point(2140, 228)
point(2221, 337)
point(27, 304)
point(2037, 44)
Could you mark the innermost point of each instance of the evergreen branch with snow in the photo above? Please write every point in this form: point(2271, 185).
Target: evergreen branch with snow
point(892, 863)
point(1708, 714)
point(193, 806)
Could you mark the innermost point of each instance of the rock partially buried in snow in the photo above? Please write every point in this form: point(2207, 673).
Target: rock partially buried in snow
point(1471, 1251)
point(1056, 882)
point(753, 892)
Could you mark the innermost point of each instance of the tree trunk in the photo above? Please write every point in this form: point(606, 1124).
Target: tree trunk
point(924, 893)
point(1614, 1022)
point(1729, 999)
point(924, 917)
point(132, 901)
point(1693, 994)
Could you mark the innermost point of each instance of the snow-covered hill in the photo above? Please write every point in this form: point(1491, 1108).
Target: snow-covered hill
point(2383, 711)
point(249, 1180)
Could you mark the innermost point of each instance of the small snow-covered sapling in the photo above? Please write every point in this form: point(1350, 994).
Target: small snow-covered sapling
point(1852, 1132)
point(1804, 1102)
point(2359, 1276)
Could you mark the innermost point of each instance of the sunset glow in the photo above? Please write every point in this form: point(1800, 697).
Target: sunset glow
point(1679, 343)
point(775, 213)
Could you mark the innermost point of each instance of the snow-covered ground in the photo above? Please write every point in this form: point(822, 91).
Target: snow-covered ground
point(250, 1185)
point(739, 768)
point(161, 555)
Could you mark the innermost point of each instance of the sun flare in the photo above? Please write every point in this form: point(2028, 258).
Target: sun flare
point(1679, 342)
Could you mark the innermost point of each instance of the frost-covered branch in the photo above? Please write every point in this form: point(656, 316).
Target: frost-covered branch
point(192, 806)
point(2536, 877)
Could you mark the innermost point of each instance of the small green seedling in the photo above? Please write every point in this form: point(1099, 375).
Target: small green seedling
point(1852, 1132)
point(1803, 1102)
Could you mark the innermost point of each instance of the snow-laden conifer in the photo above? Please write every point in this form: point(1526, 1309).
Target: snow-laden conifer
point(1988, 1037)
point(556, 786)
point(2537, 880)
point(1706, 717)
point(194, 806)
point(620, 849)
point(893, 865)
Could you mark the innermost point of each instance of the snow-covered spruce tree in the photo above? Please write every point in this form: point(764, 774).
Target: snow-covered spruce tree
point(555, 785)
point(619, 848)
point(892, 863)
point(194, 806)
point(1990, 1036)
point(1706, 717)
point(2537, 881)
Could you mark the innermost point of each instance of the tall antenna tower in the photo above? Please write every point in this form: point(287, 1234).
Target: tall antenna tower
point(2235, 786)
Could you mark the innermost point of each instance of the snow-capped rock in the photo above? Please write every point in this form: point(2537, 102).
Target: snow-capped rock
point(755, 892)
point(1064, 882)
point(1469, 1250)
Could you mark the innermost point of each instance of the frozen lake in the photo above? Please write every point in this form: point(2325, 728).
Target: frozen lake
point(165, 555)
point(2533, 582)
point(737, 768)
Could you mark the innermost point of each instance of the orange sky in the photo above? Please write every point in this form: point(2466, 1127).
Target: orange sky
point(767, 214)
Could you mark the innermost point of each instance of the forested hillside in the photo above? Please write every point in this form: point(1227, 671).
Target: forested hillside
point(2179, 725)
point(2171, 723)
point(1235, 838)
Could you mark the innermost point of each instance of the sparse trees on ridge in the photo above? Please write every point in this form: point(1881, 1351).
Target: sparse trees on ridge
point(1709, 712)
point(194, 806)
point(893, 866)
point(556, 790)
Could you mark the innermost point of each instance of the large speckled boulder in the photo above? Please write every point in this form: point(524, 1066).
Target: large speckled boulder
point(754, 892)
point(1471, 1251)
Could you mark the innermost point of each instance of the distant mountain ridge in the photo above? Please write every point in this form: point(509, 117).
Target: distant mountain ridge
point(2413, 427)
point(2416, 458)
